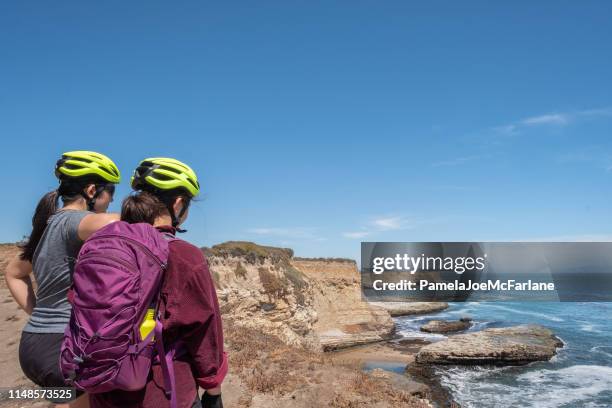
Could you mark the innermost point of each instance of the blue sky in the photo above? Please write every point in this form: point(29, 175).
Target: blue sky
point(316, 125)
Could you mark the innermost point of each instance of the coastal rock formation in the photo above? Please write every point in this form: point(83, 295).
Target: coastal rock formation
point(411, 308)
point(311, 303)
point(343, 318)
point(446, 326)
point(504, 346)
point(257, 287)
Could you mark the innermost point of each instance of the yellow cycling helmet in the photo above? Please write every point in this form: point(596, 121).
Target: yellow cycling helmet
point(82, 163)
point(165, 174)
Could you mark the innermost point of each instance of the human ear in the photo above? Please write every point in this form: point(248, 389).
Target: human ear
point(178, 205)
point(90, 190)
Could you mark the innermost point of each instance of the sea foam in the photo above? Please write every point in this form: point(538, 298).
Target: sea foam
point(572, 386)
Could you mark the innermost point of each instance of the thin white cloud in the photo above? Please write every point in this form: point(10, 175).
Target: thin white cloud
point(356, 234)
point(268, 231)
point(294, 233)
point(381, 224)
point(560, 119)
point(506, 130)
point(389, 223)
point(569, 238)
point(555, 119)
point(597, 112)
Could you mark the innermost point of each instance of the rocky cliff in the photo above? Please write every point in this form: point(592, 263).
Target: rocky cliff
point(343, 318)
point(312, 303)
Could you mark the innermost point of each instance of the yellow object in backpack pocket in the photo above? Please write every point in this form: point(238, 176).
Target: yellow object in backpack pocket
point(148, 324)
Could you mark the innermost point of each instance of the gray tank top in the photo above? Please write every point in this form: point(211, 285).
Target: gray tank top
point(52, 264)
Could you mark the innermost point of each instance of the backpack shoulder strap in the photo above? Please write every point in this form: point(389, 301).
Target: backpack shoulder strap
point(166, 359)
point(169, 237)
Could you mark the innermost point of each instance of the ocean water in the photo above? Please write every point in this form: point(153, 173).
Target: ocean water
point(579, 376)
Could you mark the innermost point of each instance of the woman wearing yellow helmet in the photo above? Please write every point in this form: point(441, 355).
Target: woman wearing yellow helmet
point(80, 168)
point(168, 179)
point(86, 186)
point(188, 303)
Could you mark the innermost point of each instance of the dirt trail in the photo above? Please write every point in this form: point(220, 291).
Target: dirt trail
point(12, 319)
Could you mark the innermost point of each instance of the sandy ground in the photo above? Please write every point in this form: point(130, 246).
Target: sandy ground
point(401, 352)
point(12, 320)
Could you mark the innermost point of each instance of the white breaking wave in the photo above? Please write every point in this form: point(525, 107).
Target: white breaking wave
point(417, 334)
point(567, 387)
point(589, 327)
point(605, 350)
point(479, 325)
point(527, 313)
point(465, 310)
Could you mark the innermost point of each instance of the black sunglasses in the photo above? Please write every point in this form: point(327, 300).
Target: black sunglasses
point(110, 189)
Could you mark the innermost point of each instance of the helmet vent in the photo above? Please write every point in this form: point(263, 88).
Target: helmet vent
point(162, 177)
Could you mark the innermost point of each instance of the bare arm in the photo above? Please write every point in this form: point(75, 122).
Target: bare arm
point(17, 276)
point(93, 222)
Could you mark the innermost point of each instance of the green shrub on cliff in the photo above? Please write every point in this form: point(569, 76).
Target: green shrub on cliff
point(275, 286)
point(296, 278)
point(250, 251)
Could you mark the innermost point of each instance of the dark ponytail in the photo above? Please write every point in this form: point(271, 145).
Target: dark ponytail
point(47, 206)
point(69, 191)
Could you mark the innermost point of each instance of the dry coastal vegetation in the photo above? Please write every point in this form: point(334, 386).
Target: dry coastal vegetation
point(272, 373)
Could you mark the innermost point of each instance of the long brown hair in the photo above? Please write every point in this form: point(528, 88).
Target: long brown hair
point(69, 191)
point(47, 206)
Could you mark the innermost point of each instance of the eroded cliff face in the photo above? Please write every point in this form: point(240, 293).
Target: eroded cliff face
point(312, 303)
point(261, 296)
point(343, 318)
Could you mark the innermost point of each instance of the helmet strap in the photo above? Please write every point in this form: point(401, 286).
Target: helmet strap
point(175, 219)
point(91, 202)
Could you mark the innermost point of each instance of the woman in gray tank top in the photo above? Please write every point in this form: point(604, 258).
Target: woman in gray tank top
point(87, 183)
